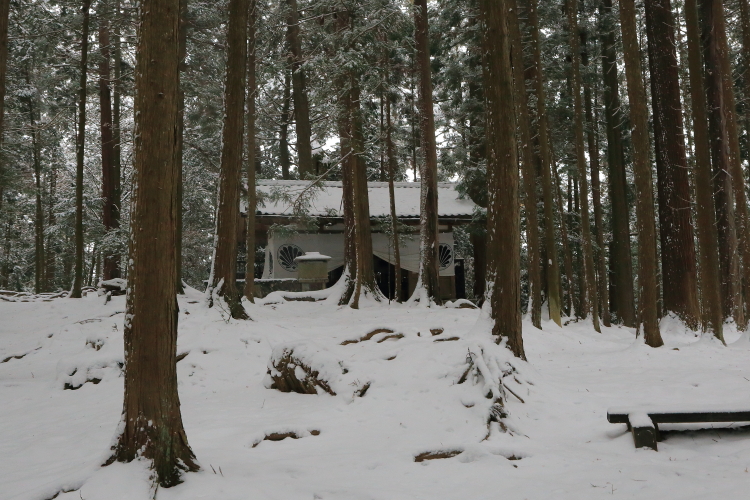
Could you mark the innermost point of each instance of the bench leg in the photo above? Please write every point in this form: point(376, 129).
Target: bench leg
point(645, 437)
point(645, 431)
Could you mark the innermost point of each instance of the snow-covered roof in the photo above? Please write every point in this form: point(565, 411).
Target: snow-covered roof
point(327, 199)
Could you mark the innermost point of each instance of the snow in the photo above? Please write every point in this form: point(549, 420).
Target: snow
point(312, 256)
point(640, 419)
point(327, 199)
point(727, 407)
point(114, 283)
point(350, 447)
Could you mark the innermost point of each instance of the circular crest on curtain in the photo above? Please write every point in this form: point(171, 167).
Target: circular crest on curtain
point(286, 255)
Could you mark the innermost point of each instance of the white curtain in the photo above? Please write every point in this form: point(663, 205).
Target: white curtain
point(281, 249)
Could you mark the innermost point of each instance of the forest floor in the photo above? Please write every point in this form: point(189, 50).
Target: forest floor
point(349, 447)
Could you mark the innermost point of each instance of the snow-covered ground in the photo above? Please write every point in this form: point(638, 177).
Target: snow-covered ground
point(558, 445)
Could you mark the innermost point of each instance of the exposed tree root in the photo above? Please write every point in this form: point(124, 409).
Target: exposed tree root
point(63, 490)
point(369, 336)
point(70, 387)
point(280, 436)
point(17, 356)
point(394, 336)
point(436, 455)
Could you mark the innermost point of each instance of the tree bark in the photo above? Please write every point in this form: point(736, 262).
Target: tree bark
point(250, 144)
point(622, 300)
point(75, 292)
point(554, 288)
point(503, 218)
point(718, 111)
point(362, 228)
point(647, 272)
point(527, 165)
point(392, 166)
point(708, 237)
point(567, 254)
point(51, 244)
point(678, 262)
point(179, 189)
point(591, 297)
point(745, 21)
point(347, 172)
point(592, 139)
point(299, 94)
point(116, 107)
point(39, 260)
point(151, 421)
point(225, 254)
point(4, 266)
point(429, 280)
point(284, 130)
point(94, 263)
point(479, 246)
point(109, 213)
point(4, 13)
point(719, 47)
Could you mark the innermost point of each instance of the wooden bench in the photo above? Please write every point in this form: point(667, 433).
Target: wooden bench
point(644, 422)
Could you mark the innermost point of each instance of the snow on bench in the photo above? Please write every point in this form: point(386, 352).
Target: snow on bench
point(644, 422)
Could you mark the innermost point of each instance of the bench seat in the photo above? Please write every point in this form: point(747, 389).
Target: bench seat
point(644, 422)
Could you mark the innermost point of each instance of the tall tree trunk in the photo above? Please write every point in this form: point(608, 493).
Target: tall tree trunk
point(414, 127)
point(94, 268)
point(5, 264)
point(52, 243)
point(225, 254)
point(428, 288)
point(678, 260)
point(75, 292)
point(527, 165)
point(179, 189)
point(116, 93)
point(284, 130)
point(111, 260)
point(718, 111)
point(343, 109)
point(477, 176)
point(250, 144)
point(622, 300)
point(554, 299)
point(503, 219)
point(567, 253)
point(745, 20)
point(592, 139)
point(392, 165)
point(576, 231)
point(729, 115)
point(601, 262)
point(647, 266)
point(151, 421)
point(363, 233)
point(299, 92)
point(4, 13)
point(708, 237)
point(39, 260)
point(592, 301)
point(383, 177)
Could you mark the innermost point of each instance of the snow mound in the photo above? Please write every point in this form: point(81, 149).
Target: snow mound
point(101, 356)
